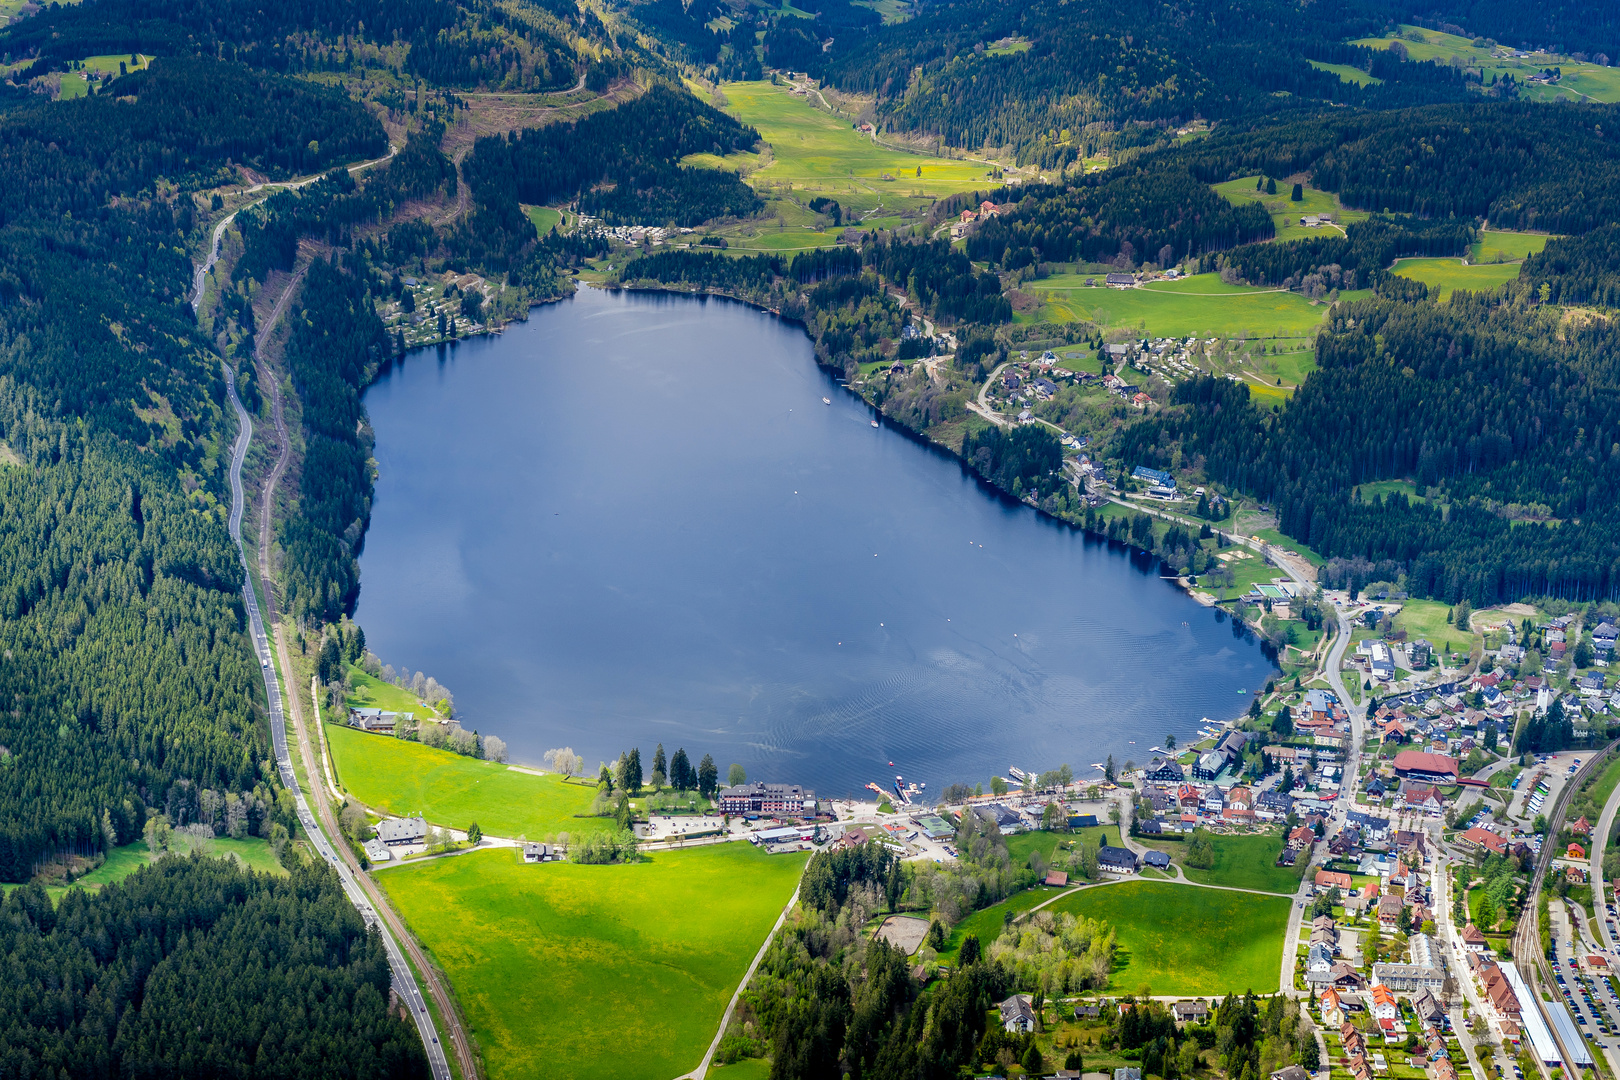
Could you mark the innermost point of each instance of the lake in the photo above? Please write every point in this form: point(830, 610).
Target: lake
point(631, 520)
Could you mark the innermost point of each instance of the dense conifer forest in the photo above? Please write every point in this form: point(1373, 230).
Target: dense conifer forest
point(193, 967)
point(622, 163)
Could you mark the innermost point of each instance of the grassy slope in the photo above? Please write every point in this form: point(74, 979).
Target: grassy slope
point(1346, 73)
point(816, 150)
point(1581, 82)
point(1285, 213)
point(1184, 940)
point(1202, 305)
point(621, 972)
point(545, 218)
point(406, 777)
point(1449, 274)
point(372, 693)
point(1494, 246)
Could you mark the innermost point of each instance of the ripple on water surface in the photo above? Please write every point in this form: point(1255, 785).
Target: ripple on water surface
point(631, 520)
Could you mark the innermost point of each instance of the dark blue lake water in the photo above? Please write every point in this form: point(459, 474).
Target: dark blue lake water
point(631, 520)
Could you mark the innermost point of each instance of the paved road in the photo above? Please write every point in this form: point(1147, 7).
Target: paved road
point(1600, 843)
point(404, 982)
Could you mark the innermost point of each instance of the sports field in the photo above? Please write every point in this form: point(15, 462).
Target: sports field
point(1450, 274)
point(1285, 213)
point(1248, 862)
point(1202, 305)
point(595, 972)
point(1180, 939)
point(454, 791)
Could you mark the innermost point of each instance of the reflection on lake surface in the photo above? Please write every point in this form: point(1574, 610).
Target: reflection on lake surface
point(632, 520)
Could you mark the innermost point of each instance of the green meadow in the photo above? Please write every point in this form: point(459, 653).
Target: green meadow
point(1202, 305)
point(252, 853)
point(595, 972)
point(448, 789)
point(815, 150)
point(368, 692)
point(1248, 862)
point(1180, 939)
point(75, 85)
point(1285, 213)
point(1580, 82)
point(544, 218)
point(1495, 246)
point(1348, 74)
point(1449, 275)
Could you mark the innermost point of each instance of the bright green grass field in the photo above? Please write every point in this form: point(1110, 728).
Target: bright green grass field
point(987, 923)
point(1180, 939)
point(1495, 246)
point(1450, 274)
point(1348, 74)
point(813, 149)
point(1426, 619)
point(1285, 213)
point(1201, 305)
point(448, 789)
point(545, 218)
point(373, 693)
point(1020, 845)
point(747, 1069)
point(595, 972)
point(1581, 81)
point(1248, 862)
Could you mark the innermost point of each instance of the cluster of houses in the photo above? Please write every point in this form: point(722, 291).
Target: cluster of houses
point(1210, 793)
point(1362, 1062)
point(968, 218)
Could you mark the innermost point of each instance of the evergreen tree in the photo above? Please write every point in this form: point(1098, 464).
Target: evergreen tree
point(660, 770)
point(1271, 186)
point(680, 772)
point(708, 777)
point(1298, 194)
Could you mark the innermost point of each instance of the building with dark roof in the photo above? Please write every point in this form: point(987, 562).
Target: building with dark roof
point(1116, 860)
point(781, 800)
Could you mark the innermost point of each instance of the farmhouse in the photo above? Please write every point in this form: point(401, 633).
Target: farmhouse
point(1190, 1012)
point(1116, 860)
point(376, 720)
point(411, 830)
point(776, 799)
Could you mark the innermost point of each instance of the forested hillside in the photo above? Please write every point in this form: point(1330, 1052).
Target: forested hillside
point(193, 967)
point(1106, 75)
point(1518, 165)
point(622, 163)
point(462, 45)
point(126, 659)
point(1500, 403)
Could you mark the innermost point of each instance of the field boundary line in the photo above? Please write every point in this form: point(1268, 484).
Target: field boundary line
point(731, 1006)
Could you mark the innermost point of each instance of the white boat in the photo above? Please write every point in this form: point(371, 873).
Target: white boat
point(874, 423)
point(826, 401)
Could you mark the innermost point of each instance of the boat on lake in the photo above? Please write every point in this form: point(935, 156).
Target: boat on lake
point(874, 423)
point(826, 401)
